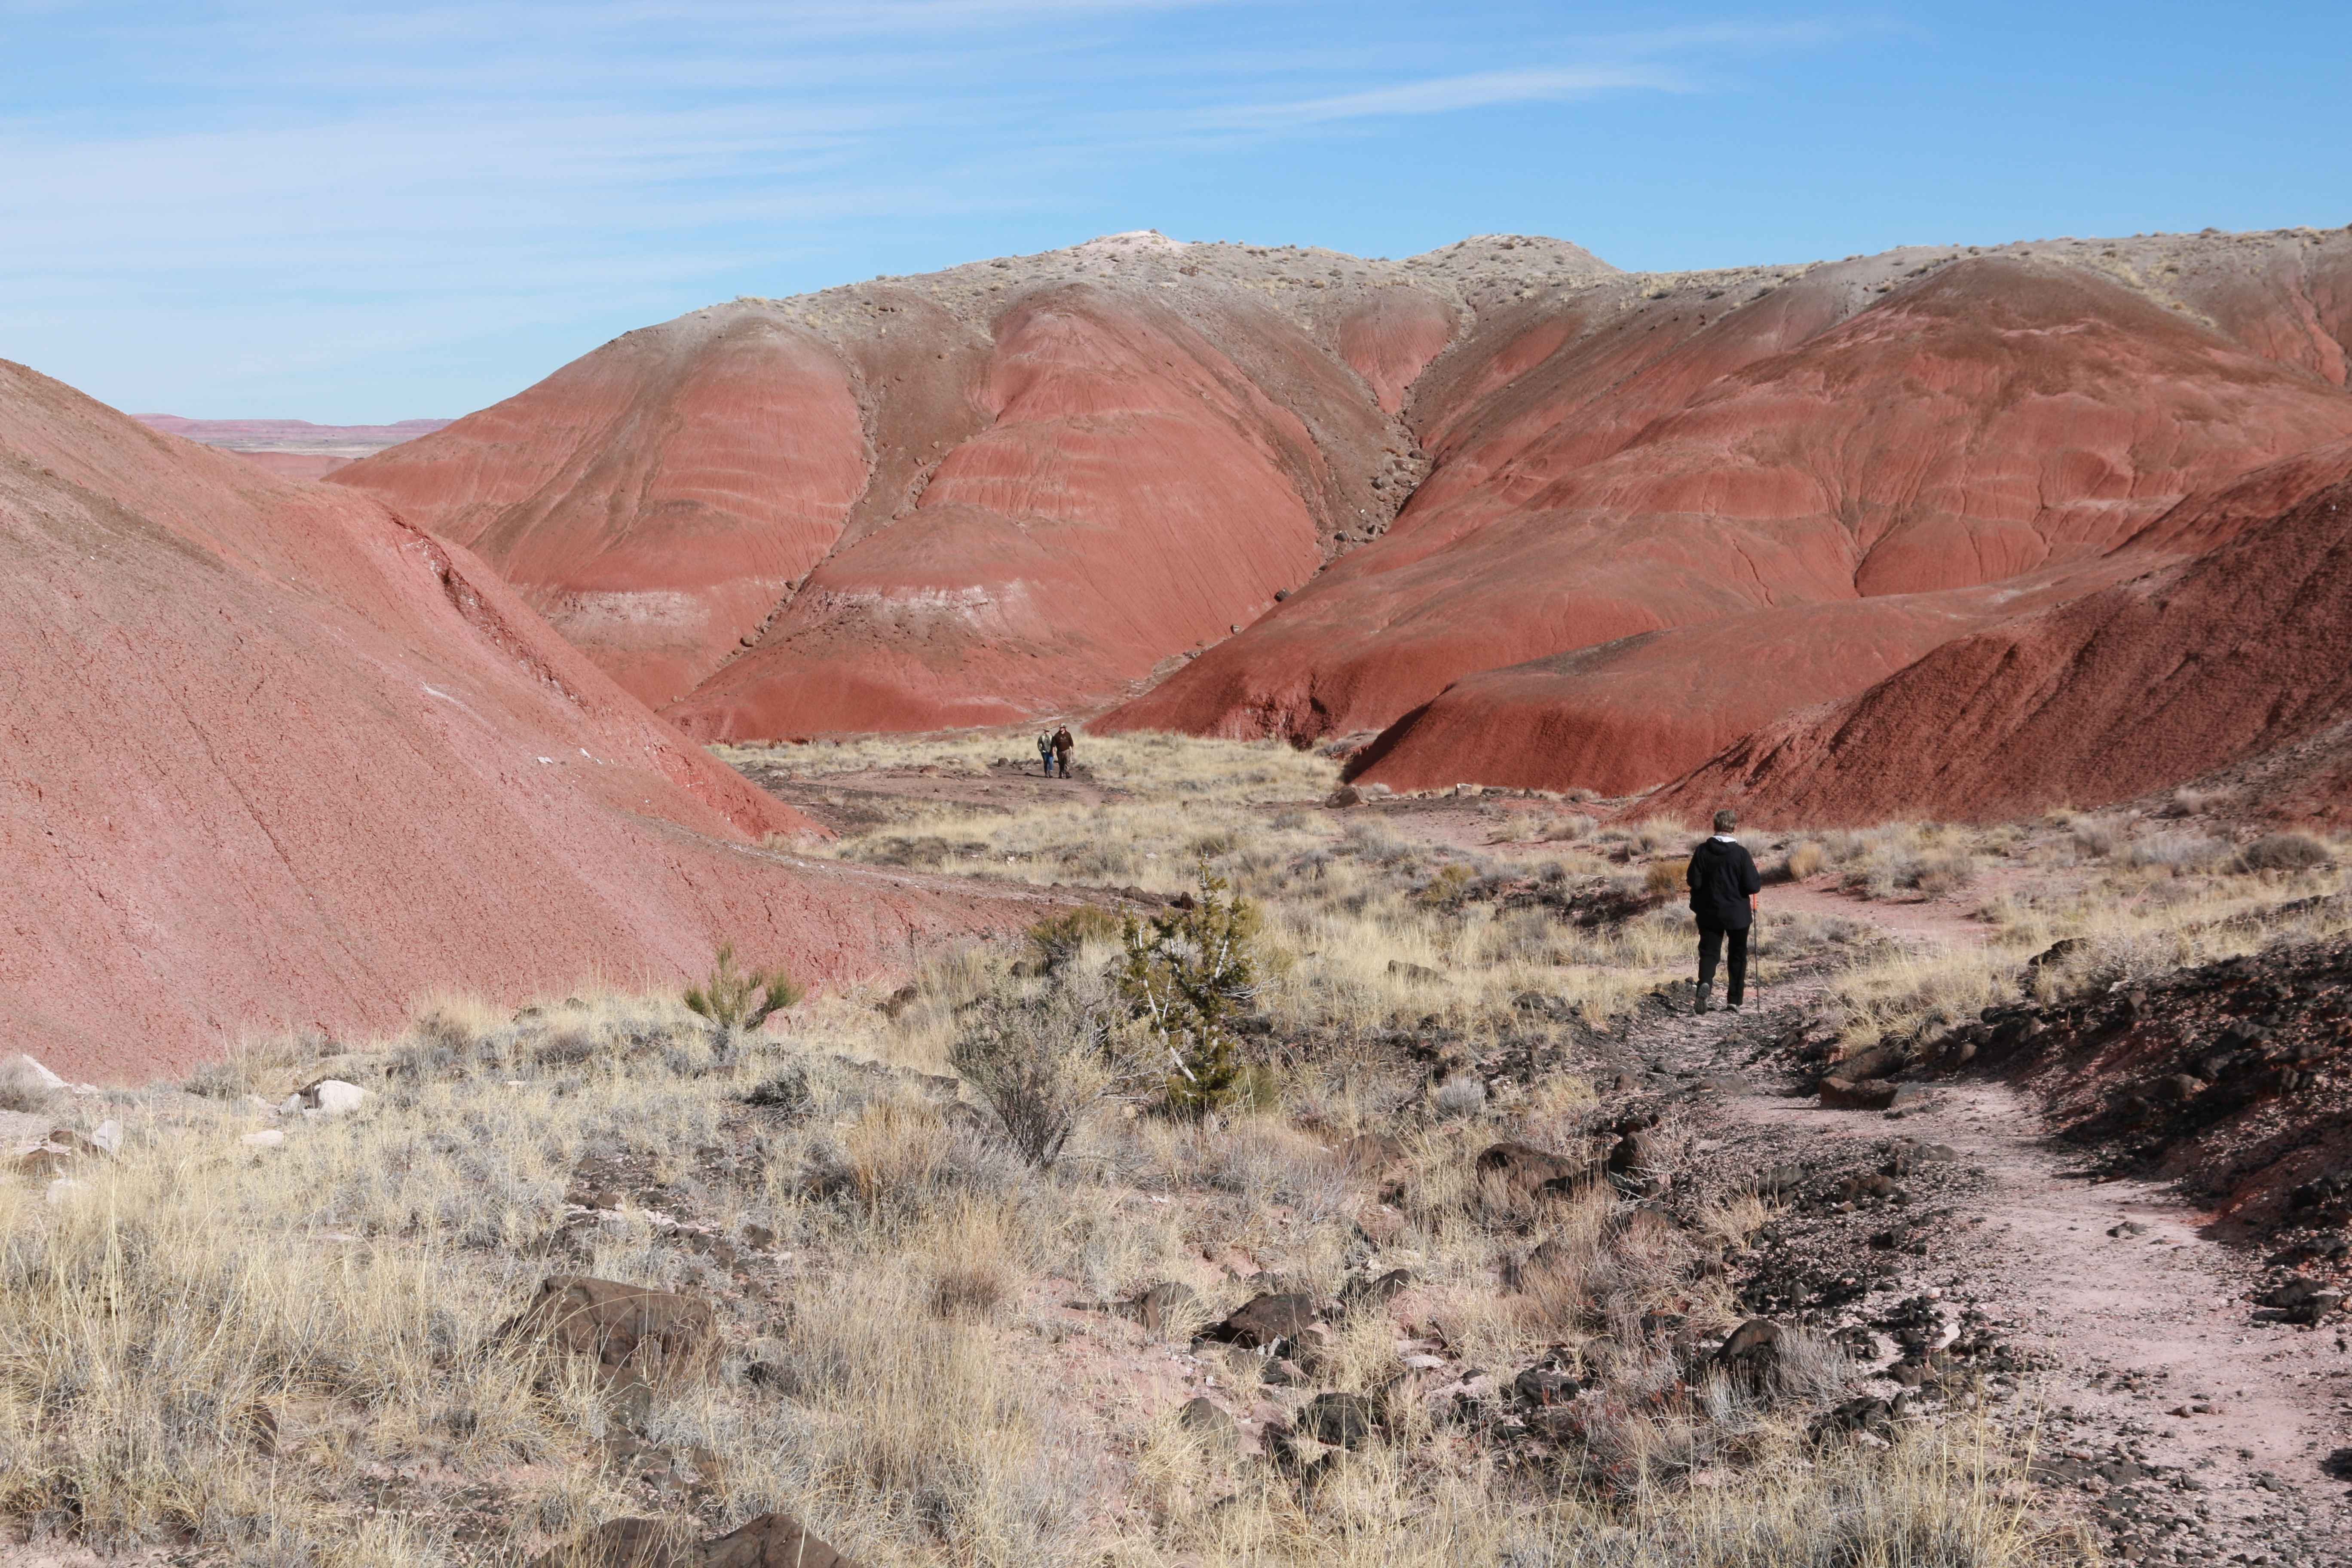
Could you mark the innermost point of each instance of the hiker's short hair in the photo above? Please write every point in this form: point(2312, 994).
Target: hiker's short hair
point(1726, 820)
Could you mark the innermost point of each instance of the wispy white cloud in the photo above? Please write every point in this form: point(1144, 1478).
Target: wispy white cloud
point(1443, 94)
point(251, 193)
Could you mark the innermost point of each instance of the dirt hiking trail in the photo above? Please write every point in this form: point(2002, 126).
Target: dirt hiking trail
point(2149, 1357)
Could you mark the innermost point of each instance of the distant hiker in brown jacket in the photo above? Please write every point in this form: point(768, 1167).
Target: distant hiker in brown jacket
point(1062, 744)
point(1723, 889)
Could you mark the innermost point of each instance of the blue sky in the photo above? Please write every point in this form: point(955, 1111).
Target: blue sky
point(362, 212)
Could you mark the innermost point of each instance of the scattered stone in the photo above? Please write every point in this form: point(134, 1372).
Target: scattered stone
point(771, 1541)
point(267, 1138)
point(1375, 1291)
point(1857, 1094)
point(1341, 1420)
point(1413, 973)
point(1527, 1171)
point(1344, 796)
point(1201, 1416)
point(630, 1331)
point(1266, 1321)
point(328, 1096)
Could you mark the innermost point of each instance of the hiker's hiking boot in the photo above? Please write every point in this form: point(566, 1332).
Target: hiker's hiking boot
point(1731, 1006)
point(1703, 1004)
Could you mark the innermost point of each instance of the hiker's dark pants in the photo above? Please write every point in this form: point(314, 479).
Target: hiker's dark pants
point(1710, 948)
point(1063, 758)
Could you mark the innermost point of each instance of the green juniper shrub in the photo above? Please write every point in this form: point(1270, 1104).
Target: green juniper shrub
point(1185, 976)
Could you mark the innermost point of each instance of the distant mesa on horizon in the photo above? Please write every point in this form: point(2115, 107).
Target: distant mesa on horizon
point(294, 448)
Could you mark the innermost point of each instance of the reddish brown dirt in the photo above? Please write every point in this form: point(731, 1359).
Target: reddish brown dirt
point(275, 756)
point(293, 465)
point(1390, 340)
point(2218, 661)
point(1617, 717)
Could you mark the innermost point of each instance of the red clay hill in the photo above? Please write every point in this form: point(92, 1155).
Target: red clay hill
point(275, 755)
point(2236, 662)
point(1010, 489)
point(1540, 521)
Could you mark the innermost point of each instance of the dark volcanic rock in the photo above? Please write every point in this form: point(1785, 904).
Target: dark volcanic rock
point(1266, 1321)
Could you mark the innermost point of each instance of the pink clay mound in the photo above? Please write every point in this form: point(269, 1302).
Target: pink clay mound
point(279, 756)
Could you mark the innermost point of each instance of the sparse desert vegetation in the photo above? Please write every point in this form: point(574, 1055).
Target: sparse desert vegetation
point(969, 1275)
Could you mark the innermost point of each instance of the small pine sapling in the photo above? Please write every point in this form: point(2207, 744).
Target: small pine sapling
point(1184, 975)
point(740, 999)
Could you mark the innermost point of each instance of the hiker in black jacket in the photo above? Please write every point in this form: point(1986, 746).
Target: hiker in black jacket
point(1723, 889)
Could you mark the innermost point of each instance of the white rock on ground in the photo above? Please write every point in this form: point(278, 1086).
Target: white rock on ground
point(108, 1135)
point(23, 1075)
point(328, 1096)
point(267, 1138)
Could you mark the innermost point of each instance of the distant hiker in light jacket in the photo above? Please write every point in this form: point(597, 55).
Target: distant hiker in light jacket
point(1046, 752)
point(1723, 889)
point(1062, 744)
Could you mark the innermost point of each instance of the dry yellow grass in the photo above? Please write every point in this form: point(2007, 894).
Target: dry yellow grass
point(2127, 916)
point(241, 1350)
point(288, 1355)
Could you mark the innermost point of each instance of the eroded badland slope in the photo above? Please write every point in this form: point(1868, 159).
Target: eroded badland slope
point(1554, 524)
point(274, 755)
